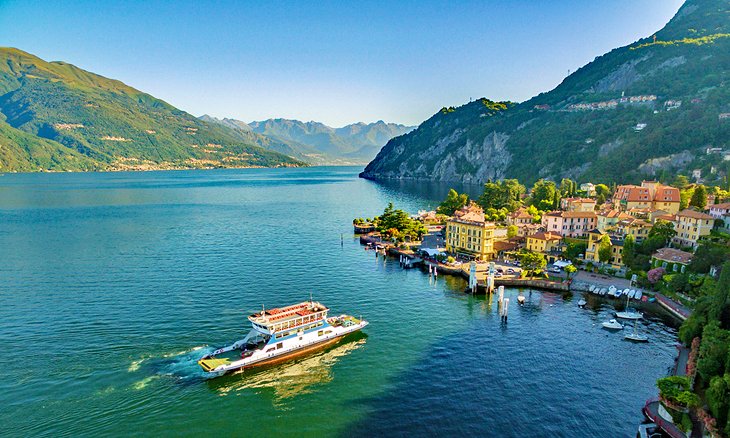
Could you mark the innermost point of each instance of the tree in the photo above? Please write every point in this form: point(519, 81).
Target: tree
point(570, 270)
point(532, 211)
point(699, 197)
point(567, 187)
point(504, 194)
point(511, 231)
point(685, 195)
point(544, 195)
point(397, 224)
point(628, 254)
point(680, 182)
point(656, 274)
point(602, 193)
point(604, 249)
point(664, 230)
point(532, 262)
point(453, 202)
point(708, 255)
point(713, 351)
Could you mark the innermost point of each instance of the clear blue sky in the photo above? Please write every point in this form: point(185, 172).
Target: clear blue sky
point(336, 62)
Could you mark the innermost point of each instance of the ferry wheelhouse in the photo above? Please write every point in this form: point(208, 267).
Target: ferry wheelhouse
point(280, 334)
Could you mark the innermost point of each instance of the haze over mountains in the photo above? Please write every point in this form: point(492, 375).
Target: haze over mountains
point(317, 143)
point(653, 108)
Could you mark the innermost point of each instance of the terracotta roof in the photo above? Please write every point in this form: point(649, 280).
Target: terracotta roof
point(667, 217)
point(694, 214)
point(545, 236)
point(520, 213)
point(723, 206)
point(502, 245)
point(673, 255)
point(570, 214)
point(666, 194)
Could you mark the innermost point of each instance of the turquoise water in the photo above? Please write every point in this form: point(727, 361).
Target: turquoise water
point(112, 285)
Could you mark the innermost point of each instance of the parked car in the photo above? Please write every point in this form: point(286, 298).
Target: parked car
point(555, 270)
point(500, 270)
point(510, 271)
point(497, 274)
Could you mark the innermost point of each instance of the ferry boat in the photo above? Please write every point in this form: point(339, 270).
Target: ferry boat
point(280, 334)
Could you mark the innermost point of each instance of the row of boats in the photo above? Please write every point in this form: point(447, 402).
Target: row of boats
point(613, 291)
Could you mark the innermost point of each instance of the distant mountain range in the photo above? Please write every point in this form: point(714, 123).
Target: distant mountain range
point(654, 108)
point(55, 116)
point(317, 143)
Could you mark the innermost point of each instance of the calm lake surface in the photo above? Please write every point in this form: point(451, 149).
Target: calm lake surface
point(112, 285)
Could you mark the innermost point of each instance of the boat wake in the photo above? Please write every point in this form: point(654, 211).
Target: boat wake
point(181, 365)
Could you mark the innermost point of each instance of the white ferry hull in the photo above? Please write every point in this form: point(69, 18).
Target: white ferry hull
point(294, 348)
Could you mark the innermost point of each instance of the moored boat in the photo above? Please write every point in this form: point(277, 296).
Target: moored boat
point(280, 334)
point(612, 325)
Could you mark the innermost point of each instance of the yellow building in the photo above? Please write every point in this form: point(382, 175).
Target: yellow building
point(469, 235)
point(617, 248)
point(691, 225)
point(634, 227)
point(543, 242)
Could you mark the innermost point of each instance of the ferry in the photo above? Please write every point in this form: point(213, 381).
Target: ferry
point(281, 334)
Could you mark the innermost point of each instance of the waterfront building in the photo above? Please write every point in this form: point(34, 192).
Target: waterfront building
point(691, 226)
point(617, 248)
point(671, 259)
point(569, 223)
point(578, 204)
point(469, 235)
point(650, 194)
point(543, 242)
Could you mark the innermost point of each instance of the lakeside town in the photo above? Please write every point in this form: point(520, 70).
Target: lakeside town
point(661, 244)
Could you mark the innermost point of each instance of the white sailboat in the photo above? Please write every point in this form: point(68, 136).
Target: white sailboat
point(636, 336)
point(629, 313)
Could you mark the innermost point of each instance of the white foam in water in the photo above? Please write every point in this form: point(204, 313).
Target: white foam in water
point(184, 365)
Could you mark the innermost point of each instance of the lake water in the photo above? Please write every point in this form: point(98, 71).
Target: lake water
point(112, 285)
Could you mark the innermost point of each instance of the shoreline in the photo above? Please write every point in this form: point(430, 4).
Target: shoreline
point(657, 307)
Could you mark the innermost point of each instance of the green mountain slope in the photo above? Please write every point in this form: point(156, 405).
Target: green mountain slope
point(64, 110)
point(645, 110)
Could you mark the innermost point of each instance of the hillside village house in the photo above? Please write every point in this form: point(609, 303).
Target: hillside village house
point(671, 259)
point(650, 194)
point(719, 210)
point(606, 220)
point(638, 228)
point(617, 248)
point(523, 221)
point(589, 188)
point(691, 225)
point(469, 235)
point(578, 204)
point(543, 242)
point(546, 243)
point(569, 223)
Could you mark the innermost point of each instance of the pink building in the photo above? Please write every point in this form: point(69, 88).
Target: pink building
point(569, 223)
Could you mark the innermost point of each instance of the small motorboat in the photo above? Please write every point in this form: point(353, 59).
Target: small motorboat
point(581, 302)
point(612, 325)
point(520, 299)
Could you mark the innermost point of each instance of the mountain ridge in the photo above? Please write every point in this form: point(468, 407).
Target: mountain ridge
point(644, 110)
point(56, 116)
point(313, 141)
